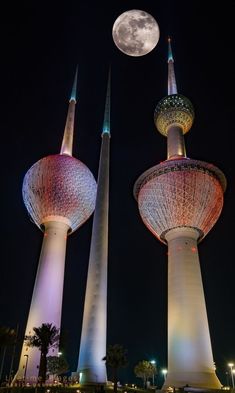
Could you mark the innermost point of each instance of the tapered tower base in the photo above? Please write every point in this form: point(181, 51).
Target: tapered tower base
point(198, 380)
point(88, 376)
point(46, 304)
point(190, 360)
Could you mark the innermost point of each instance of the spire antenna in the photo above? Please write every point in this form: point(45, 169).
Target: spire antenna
point(106, 123)
point(67, 143)
point(172, 87)
point(74, 89)
point(174, 114)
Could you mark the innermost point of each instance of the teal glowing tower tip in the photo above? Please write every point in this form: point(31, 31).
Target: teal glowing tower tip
point(170, 55)
point(172, 86)
point(106, 123)
point(74, 89)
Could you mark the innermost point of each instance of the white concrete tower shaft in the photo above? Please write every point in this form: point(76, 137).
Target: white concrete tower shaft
point(91, 367)
point(46, 303)
point(190, 359)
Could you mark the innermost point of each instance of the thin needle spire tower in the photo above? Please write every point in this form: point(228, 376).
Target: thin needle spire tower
point(91, 367)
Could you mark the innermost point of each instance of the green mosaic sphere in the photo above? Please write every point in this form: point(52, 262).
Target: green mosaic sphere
point(174, 110)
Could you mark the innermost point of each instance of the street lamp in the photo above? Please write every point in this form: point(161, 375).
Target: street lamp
point(25, 367)
point(227, 378)
point(153, 362)
point(164, 372)
point(231, 371)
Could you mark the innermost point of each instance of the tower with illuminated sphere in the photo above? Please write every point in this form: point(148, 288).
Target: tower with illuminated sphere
point(91, 367)
point(179, 201)
point(59, 192)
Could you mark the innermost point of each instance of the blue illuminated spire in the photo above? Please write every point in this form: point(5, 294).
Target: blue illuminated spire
point(170, 55)
point(106, 123)
point(67, 142)
point(172, 87)
point(73, 96)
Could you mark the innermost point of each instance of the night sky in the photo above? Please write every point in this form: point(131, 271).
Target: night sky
point(41, 45)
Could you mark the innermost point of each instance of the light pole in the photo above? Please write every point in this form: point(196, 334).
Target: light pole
point(231, 371)
point(25, 367)
point(153, 362)
point(227, 378)
point(164, 372)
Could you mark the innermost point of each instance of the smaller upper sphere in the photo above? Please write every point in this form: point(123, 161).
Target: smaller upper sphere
point(59, 187)
point(174, 110)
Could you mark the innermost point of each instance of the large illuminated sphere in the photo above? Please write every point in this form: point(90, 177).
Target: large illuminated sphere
point(180, 193)
point(135, 33)
point(59, 188)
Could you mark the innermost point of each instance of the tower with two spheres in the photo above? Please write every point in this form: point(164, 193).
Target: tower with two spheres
point(179, 201)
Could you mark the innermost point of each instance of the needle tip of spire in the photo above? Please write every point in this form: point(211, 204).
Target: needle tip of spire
point(106, 123)
point(170, 55)
point(74, 89)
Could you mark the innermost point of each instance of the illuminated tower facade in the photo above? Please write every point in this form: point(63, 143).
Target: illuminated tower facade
point(179, 201)
point(59, 193)
point(91, 367)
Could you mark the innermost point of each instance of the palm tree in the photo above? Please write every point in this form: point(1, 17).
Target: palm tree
point(57, 365)
point(145, 370)
point(46, 336)
point(115, 358)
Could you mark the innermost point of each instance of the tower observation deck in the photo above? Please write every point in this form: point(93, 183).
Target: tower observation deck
point(179, 201)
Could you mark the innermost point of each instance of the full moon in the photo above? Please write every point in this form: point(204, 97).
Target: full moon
point(135, 33)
